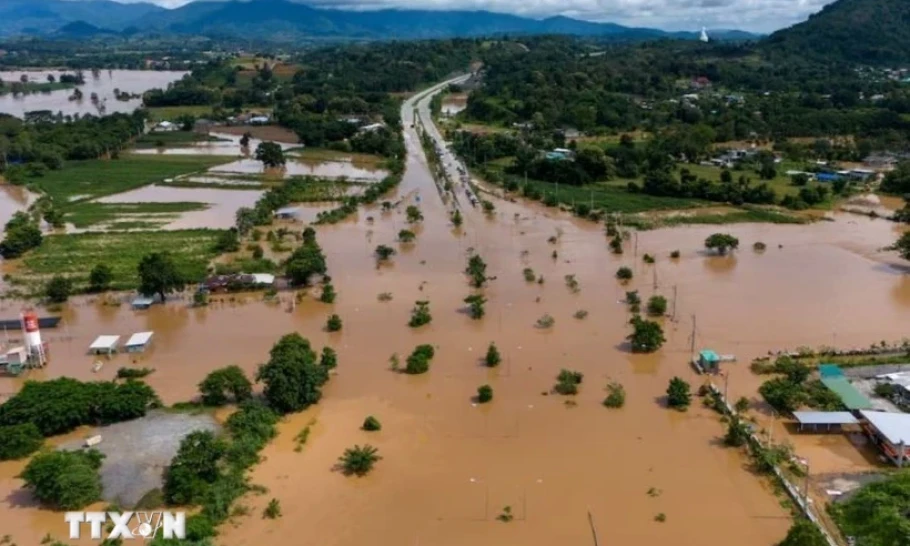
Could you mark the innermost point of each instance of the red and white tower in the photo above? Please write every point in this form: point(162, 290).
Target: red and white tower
point(33, 346)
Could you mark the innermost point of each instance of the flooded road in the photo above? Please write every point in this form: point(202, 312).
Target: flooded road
point(449, 468)
point(127, 81)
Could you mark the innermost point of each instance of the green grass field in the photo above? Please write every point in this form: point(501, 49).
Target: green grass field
point(169, 113)
point(84, 180)
point(613, 197)
point(75, 255)
point(781, 184)
point(88, 213)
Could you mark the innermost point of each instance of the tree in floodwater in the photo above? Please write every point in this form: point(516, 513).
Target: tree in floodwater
point(804, 533)
point(679, 394)
point(271, 154)
point(477, 270)
point(158, 274)
point(721, 242)
point(647, 335)
point(245, 139)
point(413, 214)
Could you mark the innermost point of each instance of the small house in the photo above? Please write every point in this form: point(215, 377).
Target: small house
point(708, 360)
point(259, 120)
point(138, 342)
point(165, 127)
point(104, 344)
point(142, 303)
point(287, 213)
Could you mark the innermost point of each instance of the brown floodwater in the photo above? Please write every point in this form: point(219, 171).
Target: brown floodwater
point(127, 81)
point(12, 200)
point(450, 467)
point(306, 167)
point(222, 204)
point(226, 145)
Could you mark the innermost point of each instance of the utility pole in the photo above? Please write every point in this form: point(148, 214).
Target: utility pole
point(654, 271)
point(726, 382)
point(635, 235)
point(673, 314)
point(693, 338)
point(806, 487)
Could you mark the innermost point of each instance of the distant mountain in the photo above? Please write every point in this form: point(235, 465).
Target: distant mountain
point(865, 31)
point(47, 16)
point(285, 20)
point(81, 29)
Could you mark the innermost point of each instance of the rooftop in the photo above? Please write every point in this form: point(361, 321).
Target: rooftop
point(104, 342)
point(825, 417)
point(895, 427)
point(139, 339)
point(852, 398)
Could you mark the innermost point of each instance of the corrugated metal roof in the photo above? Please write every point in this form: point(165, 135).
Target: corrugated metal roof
point(104, 342)
point(139, 339)
point(895, 427)
point(709, 355)
point(825, 417)
point(851, 397)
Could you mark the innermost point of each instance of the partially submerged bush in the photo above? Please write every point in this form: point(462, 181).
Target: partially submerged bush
point(567, 382)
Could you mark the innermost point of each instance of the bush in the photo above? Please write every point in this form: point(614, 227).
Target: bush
point(624, 274)
point(65, 480)
point(329, 358)
point(678, 394)
point(657, 306)
point(759, 246)
point(567, 382)
point(100, 278)
point(674, 255)
point(273, 510)
point(529, 274)
point(413, 214)
point(333, 324)
point(358, 460)
point(418, 361)
point(721, 242)
point(58, 289)
point(328, 293)
point(546, 321)
point(492, 358)
point(18, 441)
point(420, 314)
point(484, 394)
point(581, 314)
point(384, 252)
point(293, 378)
point(200, 298)
point(61, 405)
point(616, 396)
point(406, 236)
point(737, 433)
point(646, 337)
point(804, 533)
point(194, 469)
point(648, 259)
point(475, 306)
point(371, 424)
point(134, 373)
point(224, 382)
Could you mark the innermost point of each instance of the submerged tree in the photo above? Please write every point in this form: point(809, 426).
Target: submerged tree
point(647, 336)
point(477, 270)
point(358, 460)
point(678, 394)
point(413, 214)
point(158, 274)
point(721, 242)
point(384, 252)
point(420, 314)
point(222, 382)
point(271, 155)
point(66, 480)
point(292, 377)
point(492, 358)
point(475, 306)
point(406, 236)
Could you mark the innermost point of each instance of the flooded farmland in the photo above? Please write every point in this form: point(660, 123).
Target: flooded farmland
point(306, 167)
point(450, 467)
point(12, 200)
point(127, 81)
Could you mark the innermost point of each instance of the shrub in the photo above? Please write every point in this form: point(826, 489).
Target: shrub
point(648, 259)
point(572, 283)
point(657, 306)
point(200, 298)
point(581, 314)
point(230, 380)
point(759, 246)
point(100, 278)
point(384, 252)
point(616, 396)
point(624, 274)
point(742, 404)
point(546, 321)
point(418, 361)
point(647, 336)
point(133, 373)
point(406, 236)
point(484, 394)
point(329, 358)
point(328, 293)
point(413, 214)
point(333, 324)
point(632, 297)
point(420, 314)
point(674, 255)
point(475, 306)
point(529, 274)
point(273, 510)
point(58, 289)
point(492, 358)
point(384, 297)
point(678, 394)
point(567, 382)
point(721, 242)
point(65, 480)
point(737, 433)
point(371, 424)
point(358, 460)
point(477, 270)
point(18, 441)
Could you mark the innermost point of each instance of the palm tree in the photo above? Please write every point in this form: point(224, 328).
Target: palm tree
point(358, 460)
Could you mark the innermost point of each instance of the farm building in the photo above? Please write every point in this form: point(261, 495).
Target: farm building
point(890, 432)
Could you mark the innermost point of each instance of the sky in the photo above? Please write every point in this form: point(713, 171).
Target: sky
point(751, 15)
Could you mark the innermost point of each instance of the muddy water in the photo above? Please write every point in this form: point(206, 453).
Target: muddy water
point(226, 145)
point(130, 81)
point(220, 214)
point(449, 467)
point(453, 104)
point(12, 200)
point(301, 167)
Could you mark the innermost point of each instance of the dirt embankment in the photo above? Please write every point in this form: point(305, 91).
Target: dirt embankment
point(273, 133)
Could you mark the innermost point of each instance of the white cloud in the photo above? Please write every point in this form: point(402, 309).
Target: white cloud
point(754, 15)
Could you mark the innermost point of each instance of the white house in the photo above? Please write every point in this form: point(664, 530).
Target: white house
point(165, 127)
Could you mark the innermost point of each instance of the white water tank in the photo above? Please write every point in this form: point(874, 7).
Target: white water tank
point(32, 334)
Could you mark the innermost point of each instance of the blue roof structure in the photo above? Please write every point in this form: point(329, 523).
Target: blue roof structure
point(708, 355)
point(827, 177)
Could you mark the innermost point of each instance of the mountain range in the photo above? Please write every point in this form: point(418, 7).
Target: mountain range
point(287, 20)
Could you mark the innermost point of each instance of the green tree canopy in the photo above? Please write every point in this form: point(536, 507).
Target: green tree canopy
point(647, 336)
point(721, 242)
point(22, 235)
point(293, 377)
point(18, 441)
point(158, 275)
point(194, 468)
point(224, 382)
point(100, 278)
point(65, 480)
point(271, 154)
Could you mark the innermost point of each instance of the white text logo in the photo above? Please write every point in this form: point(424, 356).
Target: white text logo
point(128, 525)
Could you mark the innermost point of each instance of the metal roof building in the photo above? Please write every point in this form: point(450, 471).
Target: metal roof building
point(851, 398)
point(138, 342)
point(814, 419)
point(104, 344)
point(891, 431)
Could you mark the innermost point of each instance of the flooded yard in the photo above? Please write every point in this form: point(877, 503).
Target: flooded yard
point(561, 464)
point(127, 81)
point(221, 205)
point(305, 167)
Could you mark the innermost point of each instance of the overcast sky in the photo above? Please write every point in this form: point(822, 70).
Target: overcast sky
point(754, 15)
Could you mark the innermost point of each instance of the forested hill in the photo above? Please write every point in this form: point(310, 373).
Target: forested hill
point(863, 31)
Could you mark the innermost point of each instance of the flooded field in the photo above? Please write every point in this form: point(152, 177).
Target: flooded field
point(305, 167)
point(127, 81)
point(227, 145)
point(219, 213)
point(450, 467)
point(13, 199)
